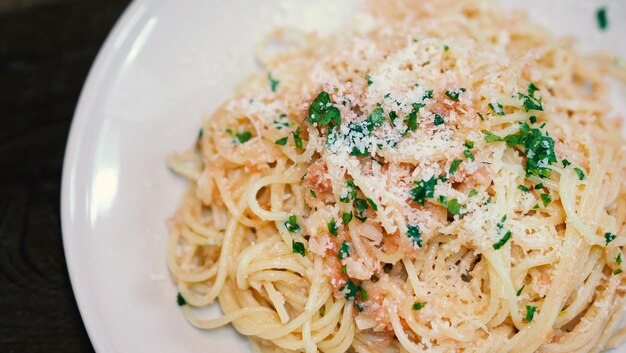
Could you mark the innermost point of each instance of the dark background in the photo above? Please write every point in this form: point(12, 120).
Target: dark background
point(46, 50)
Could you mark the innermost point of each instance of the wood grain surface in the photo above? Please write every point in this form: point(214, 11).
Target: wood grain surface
point(46, 50)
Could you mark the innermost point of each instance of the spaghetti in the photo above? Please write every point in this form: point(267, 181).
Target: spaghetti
point(440, 177)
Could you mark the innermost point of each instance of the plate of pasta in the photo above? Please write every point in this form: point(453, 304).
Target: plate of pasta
point(352, 176)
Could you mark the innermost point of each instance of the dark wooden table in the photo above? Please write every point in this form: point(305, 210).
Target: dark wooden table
point(46, 49)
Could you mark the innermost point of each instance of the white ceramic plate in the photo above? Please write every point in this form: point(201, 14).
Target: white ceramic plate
point(165, 66)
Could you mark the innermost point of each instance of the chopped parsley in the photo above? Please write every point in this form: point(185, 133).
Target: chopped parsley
point(482, 118)
point(361, 206)
point(454, 166)
point(446, 47)
point(375, 119)
point(368, 78)
point(323, 112)
point(425, 189)
point(533, 119)
point(344, 269)
point(530, 312)
point(454, 95)
point(393, 116)
point(539, 148)
point(581, 174)
point(292, 224)
point(618, 259)
point(473, 192)
point(497, 108)
point(609, 237)
point(296, 138)
point(469, 155)
point(546, 199)
point(351, 192)
point(522, 188)
point(617, 271)
point(530, 101)
point(415, 235)
point(438, 120)
point(418, 305)
point(243, 136)
point(346, 217)
point(298, 248)
point(500, 243)
point(372, 203)
point(313, 193)
point(539, 186)
point(519, 292)
point(565, 163)
point(602, 18)
point(454, 207)
point(344, 251)
point(351, 289)
point(200, 133)
point(273, 83)
point(282, 141)
point(469, 144)
point(411, 121)
point(282, 122)
point(364, 295)
point(332, 227)
point(180, 300)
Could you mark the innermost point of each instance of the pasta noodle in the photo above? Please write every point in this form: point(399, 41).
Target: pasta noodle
point(438, 177)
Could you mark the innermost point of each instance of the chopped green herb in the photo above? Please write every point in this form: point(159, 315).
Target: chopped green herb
point(415, 235)
point(609, 237)
point(411, 121)
point(428, 94)
point(393, 116)
point(536, 206)
point(482, 118)
point(200, 133)
point(313, 193)
point(344, 251)
point(539, 186)
point(469, 144)
point(344, 269)
point(454, 166)
point(364, 295)
point(533, 119)
point(519, 292)
point(350, 288)
point(438, 120)
point(581, 174)
point(602, 18)
point(273, 83)
point(351, 192)
point(523, 188)
point(530, 101)
point(418, 305)
point(497, 108)
point(473, 192)
point(282, 122)
point(375, 119)
point(323, 112)
point(546, 199)
point(346, 217)
point(368, 78)
point(180, 300)
point(454, 95)
point(491, 137)
point(425, 189)
point(618, 259)
point(292, 225)
point(296, 138)
point(454, 207)
point(298, 248)
point(361, 205)
point(332, 227)
point(617, 271)
point(565, 163)
point(372, 203)
point(530, 312)
point(539, 149)
point(243, 136)
point(500, 243)
point(469, 154)
point(282, 141)
point(446, 47)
